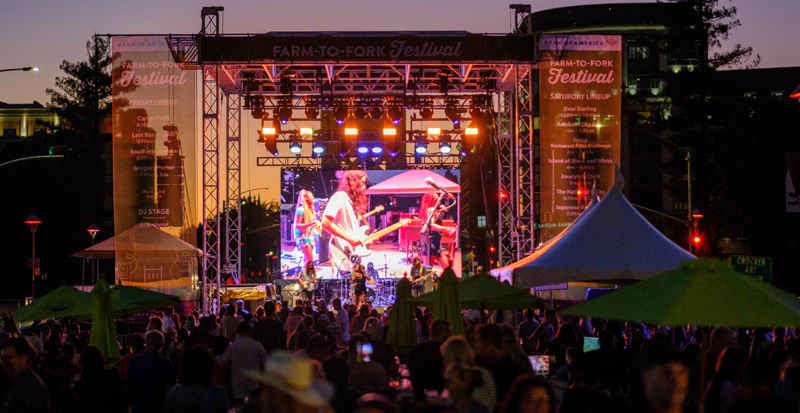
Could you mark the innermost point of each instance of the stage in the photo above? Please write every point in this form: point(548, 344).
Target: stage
point(388, 258)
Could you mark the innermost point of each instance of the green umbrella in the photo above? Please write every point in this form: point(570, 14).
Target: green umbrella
point(447, 302)
point(703, 292)
point(134, 300)
point(59, 303)
point(402, 321)
point(104, 329)
point(486, 292)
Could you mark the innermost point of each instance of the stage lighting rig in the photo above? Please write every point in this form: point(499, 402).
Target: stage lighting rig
point(443, 81)
point(284, 114)
point(340, 114)
point(362, 148)
point(295, 147)
point(312, 112)
point(426, 113)
point(318, 148)
point(444, 144)
point(286, 82)
point(452, 112)
point(268, 134)
point(376, 113)
point(256, 105)
point(395, 114)
point(376, 148)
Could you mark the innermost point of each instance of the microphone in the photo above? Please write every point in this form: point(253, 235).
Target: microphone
point(429, 182)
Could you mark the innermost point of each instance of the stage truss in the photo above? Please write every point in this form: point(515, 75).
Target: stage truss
point(504, 87)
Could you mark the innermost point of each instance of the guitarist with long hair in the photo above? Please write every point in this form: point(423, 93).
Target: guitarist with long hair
point(340, 217)
point(305, 222)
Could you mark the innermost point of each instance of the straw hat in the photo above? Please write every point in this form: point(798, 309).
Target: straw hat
point(294, 375)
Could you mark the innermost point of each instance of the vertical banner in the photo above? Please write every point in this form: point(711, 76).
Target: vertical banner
point(154, 167)
point(580, 103)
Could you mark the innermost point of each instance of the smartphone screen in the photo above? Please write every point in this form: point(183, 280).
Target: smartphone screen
point(366, 352)
point(540, 364)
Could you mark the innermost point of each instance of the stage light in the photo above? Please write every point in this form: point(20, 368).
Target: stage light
point(421, 147)
point(306, 131)
point(471, 131)
point(362, 148)
point(318, 148)
point(377, 149)
point(393, 154)
point(444, 147)
point(312, 112)
point(389, 131)
point(376, 113)
point(395, 114)
point(284, 114)
point(286, 85)
point(426, 113)
point(444, 83)
point(268, 130)
point(434, 131)
point(295, 147)
point(350, 131)
point(340, 114)
point(451, 111)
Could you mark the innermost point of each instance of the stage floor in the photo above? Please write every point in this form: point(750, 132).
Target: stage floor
point(386, 256)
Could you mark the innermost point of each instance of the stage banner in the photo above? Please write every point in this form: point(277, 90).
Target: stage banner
point(154, 167)
point(580, 103)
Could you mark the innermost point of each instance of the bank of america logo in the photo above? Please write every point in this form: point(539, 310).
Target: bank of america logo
point(612, 42)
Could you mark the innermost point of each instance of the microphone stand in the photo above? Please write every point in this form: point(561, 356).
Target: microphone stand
point(426, 229)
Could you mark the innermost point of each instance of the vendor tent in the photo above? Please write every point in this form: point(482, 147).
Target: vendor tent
point(148, 238)
point(612, 242)
point(412, 182)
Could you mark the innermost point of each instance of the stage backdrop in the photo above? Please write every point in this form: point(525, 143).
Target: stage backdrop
point(154, 166)
point(580, 101)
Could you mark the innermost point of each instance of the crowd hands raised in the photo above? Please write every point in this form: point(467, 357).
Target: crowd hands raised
point(316, 358)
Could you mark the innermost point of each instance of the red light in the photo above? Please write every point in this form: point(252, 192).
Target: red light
point(579, 191)
point(503, 194)
point(492, 249)
point(696, 240)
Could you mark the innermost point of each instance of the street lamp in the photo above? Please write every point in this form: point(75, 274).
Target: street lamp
point(93, 230)
point(22, 69)
point(33, 221)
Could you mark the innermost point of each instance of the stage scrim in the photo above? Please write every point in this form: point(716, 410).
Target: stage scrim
point(154, 167)
point(580, 103)
point(392, 255)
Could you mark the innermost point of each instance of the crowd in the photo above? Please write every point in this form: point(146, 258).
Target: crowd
point(336, 359)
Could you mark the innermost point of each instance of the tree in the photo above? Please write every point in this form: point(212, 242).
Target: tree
point(84, 101)
point(260, 233)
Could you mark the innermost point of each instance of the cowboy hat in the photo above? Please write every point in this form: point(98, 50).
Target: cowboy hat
point(294, 375)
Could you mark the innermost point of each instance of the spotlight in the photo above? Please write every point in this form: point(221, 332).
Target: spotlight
point(395, 114)
point(451, 111)
point(306, 131)
point(362, 148)
point(318, 148)
point(350, 131)
point(421, 147)
point(286, 85)
point(426, 113)
point(284, 114)
point(393, 154)
point(312, 112)
point(444, 144)
point(376, 113)
point(389, 131)
point(295, 147)
point(340, 114)
point(434, 131)
point(377, 149)
point(444, 83)
point(471, 131)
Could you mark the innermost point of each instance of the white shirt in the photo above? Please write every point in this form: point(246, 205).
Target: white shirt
point(244, 354)
point(344, 323)
point(340, 208)
point(166, 322)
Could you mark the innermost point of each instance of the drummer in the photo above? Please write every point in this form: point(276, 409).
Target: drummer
point(372, 273)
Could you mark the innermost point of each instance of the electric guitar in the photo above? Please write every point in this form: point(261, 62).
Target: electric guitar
point(343, 255)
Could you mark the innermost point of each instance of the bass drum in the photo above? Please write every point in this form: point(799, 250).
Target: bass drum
point(371, 294)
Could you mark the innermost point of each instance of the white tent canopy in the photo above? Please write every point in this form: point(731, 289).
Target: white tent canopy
point(412, 182)
point(609, 242)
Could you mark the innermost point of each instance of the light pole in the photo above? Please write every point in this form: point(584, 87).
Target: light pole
point(33, 221)
point(93, 230)
point(22, 69)
point(696, 216)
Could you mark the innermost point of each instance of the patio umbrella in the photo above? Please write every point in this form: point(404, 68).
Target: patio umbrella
point(104, 330)
point(134, 300)
point(59, 303)
point(486, 292)
point(447, 304)
point(402, 321)
point(703, 292)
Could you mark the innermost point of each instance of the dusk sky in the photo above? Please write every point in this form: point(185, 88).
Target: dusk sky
point(45, 32)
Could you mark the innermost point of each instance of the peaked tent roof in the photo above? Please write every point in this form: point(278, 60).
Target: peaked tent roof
point(412, 182)
point(147, 238)
point(609, 242)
